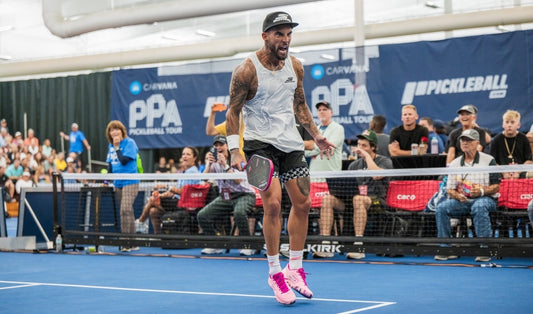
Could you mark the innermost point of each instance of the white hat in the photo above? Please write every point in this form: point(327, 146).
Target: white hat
point(18, 134)
point(69, 159)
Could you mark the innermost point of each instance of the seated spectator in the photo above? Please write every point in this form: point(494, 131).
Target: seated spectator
point(60, 162)
point(441, 130)
point(7, 184)
point(220, 129)
point(31, 139)
point(158, 203)
point(469, 194)
point(467, 118)
point(24, 182)
point(372, 191)
point(46, 149)
point(236, 196)
point(14, 170)
point(162, 165)
point(41, 177)
point(171, 166)
point(511, 147)
point(3, 137)
point(427, 122)
point(33, 148)
point(17, 139)
point(3, 124)
point(406, 134)
point(3, 159)
point(377, 124)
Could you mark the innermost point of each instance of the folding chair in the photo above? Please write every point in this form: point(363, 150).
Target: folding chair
point(515, 195)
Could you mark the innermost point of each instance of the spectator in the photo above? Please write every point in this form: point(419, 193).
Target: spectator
point(530, 213)
point(3, 124)
point(427, 122)
point(162, 201)
point(406, 134)
point(220, 129)
point(372, 190)
point(3, 159)
point(467, 118)
point(41, 177)
point(7, 184)
point(469, 193)
point(236, 196)
point(511, 147)
point(162, 165)
point(122, 158)
point(171, 166)
point(24, 182)
point(14, 170)
point(332, 131)
point(31, 139)
point(529, 136)
point(77, 140)
point(3, 137)
point(377, 124)
point(17, 140)
point(46, 149)
point(60, 162)
point(441, 131)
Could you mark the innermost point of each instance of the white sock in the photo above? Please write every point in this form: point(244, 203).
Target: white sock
point(295, 260)
point(273, 264)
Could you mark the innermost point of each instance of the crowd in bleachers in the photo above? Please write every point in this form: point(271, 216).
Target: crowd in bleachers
point(27, 162)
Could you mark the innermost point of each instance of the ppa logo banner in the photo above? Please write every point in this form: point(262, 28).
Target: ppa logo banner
point(166, 111)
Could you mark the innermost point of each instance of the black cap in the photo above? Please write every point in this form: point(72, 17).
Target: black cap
point(468, 108)
point(323, 103)
point(220, 139)
point(277, 18)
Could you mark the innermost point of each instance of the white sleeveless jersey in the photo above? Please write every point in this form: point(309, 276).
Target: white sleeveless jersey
point(269, 116)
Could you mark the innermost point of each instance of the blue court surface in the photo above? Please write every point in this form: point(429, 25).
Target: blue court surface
point(153, 280)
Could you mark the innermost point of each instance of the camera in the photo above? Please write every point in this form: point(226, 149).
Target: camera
point(214, 151)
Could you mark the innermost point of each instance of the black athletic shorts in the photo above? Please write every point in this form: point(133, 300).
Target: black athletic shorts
point(287, 166)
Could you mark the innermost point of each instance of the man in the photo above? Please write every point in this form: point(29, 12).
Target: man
point(235, 196)
point(335, 133)
point(469, 193)
point(268, 88)
point(372, 190)
point(377, 124)
point(467, 118)
point(77, 140)
point(220, 129)
point(406, 134)
point(427, 122)
point(7, 184)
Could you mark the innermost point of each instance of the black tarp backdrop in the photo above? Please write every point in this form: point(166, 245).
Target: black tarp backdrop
point(53, 104)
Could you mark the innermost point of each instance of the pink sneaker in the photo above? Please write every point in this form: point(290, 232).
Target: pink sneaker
point(283, 294)
point(295, 279)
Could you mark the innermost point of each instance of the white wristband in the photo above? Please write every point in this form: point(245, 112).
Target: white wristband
point(233, 141)
point(482, 192)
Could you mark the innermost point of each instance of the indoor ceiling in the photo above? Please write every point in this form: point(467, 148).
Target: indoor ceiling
point(24, 36)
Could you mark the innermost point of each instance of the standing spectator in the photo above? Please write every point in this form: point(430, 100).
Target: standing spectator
point(377, 124)
point(77, 140)
point(236, 196)
point(171, 166)
point(31, 139)
point(469, 193)
point(335, 133)
point(220, 129)
point(46, 148)
point(268, 110)
point(427, 122)
point(511, 147)
point(122, 158)
point(467, 118)
point(406, 134)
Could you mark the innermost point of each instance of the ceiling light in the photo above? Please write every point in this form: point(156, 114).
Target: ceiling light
point(5, 57)
point(327, 56)
point(6, 28)
point(205, 33)
point(431, 4)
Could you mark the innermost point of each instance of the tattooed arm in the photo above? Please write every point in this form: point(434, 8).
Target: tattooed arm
point(242, 79)
point(301, 110)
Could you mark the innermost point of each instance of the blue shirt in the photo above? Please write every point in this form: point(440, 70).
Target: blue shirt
point(129, 148)
point(76, 142)
point(181, 183)
point(439, 139)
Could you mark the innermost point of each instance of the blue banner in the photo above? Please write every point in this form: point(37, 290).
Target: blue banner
point(492, 72)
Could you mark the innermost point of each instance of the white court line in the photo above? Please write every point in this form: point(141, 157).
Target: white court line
point(14, 287)
point(377, 304)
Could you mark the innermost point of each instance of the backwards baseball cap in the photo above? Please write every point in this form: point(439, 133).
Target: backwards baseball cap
point(277, 18)
point(370, 136)
point(471, 134)
point(323, 103)
point(18, 134)
point(220, 138)
point(469, 108)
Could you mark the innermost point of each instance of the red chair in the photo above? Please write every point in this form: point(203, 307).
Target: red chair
point(193, 196)
point(411, 195)
point(515, 193)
